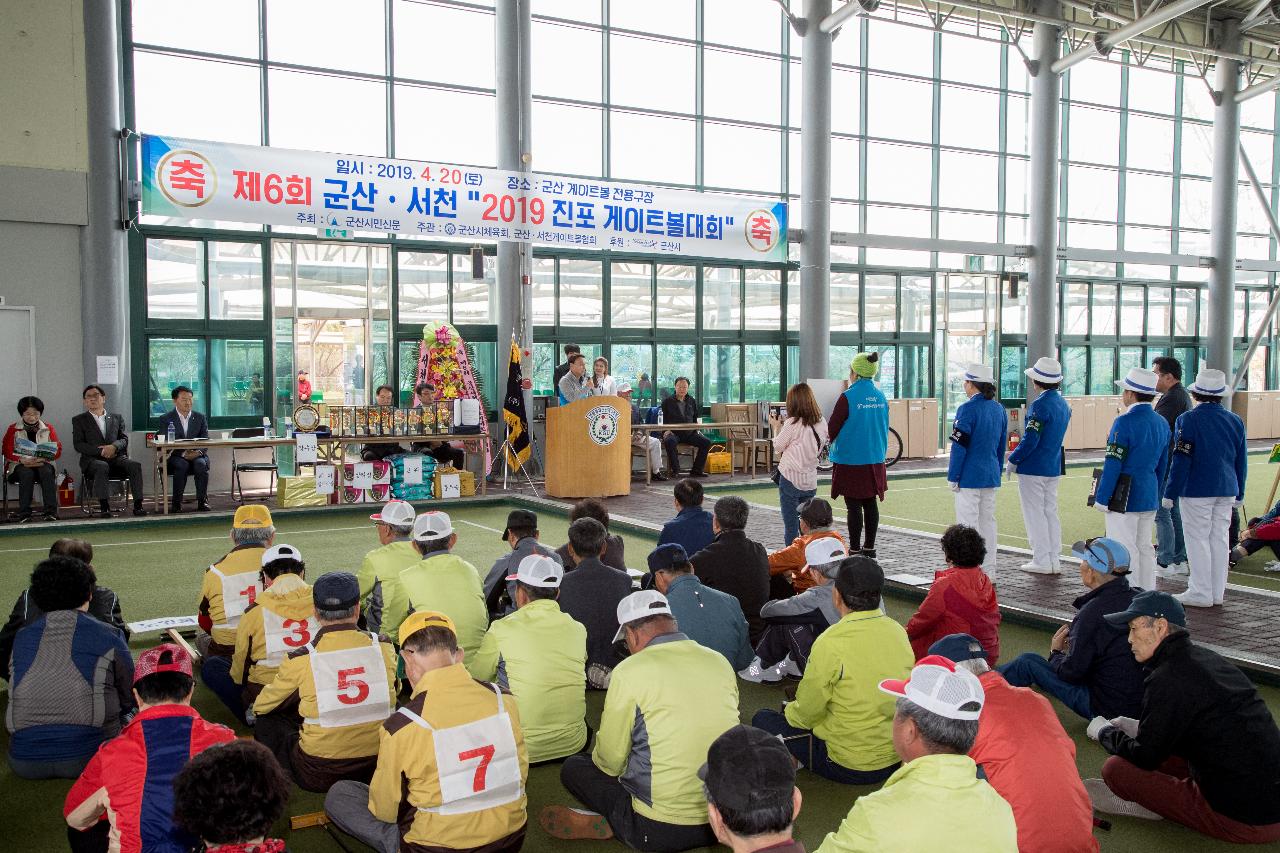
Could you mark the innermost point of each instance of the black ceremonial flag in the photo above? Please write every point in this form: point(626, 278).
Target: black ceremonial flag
point(514, 414)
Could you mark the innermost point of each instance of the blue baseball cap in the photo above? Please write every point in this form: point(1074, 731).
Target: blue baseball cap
point(1105, 556)
point(958, 647)
point(666, 556)
point(1157, 605)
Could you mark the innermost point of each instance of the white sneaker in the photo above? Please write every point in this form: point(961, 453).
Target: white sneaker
point(1038, 570)
point(1173, 570)
point(1186, 601)
point(1273, 566)
point(787, 666)
point(758, 673)
point(1108, 803)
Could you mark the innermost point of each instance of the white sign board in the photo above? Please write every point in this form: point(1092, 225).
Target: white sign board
point(306, 448)
point(164, 623)
point(450, 486)
point(324, 479)
point(108, 370)
point(413, 470)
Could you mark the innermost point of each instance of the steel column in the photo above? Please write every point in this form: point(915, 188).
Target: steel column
point(815, 195)
point(104, 283)
point(1222, 211)
point(1042, 188)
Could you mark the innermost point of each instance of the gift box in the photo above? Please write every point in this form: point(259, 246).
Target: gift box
point(466, 481)
point(299, 491)
point(418, 491)
point(381, 472)
point(379, 494)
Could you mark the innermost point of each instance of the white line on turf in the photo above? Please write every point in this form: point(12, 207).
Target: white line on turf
point(481, 526)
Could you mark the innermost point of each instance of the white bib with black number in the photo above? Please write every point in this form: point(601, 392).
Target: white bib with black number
point(478, 765)
point(351, 686)
point(284, 635)
point(238, 592)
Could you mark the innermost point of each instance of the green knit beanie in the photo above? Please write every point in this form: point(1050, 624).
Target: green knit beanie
point(865, 364)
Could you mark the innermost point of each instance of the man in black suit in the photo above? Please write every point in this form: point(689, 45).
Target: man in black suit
point(187, 424)
point(1171, 549)
point(103, 444)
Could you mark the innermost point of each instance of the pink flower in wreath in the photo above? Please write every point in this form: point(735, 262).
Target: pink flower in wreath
point(442, 335)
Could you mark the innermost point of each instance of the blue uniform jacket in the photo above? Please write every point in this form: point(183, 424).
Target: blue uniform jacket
point(1040, 452)
point(1138, 445)
point(864, 436)
point(978, 440)
point(1210, 458)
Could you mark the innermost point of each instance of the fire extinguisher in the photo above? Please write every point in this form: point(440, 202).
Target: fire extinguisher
point(1014, 438)
point(66, 490)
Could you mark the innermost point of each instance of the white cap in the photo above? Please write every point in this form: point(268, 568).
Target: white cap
point(431, 526)
point(623, 387)
point(979, 373)
point(538, 570)
point(1140, 379)
point(398, 513)
point(1211, 383)
point(938, 685)
point(1047, 370)
point(281, 552)
point(823, 551)
point(639, 605)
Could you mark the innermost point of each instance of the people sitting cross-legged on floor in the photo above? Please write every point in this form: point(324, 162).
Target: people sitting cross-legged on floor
point(707, 616)
point(1025, 754)
point(735, 563)
point(961, 599)
point(936, 800)
point(1206, 751)
point(452, 766)
point(792, 624)
point(787, 575)
point(321, 715)
point(666, 704)
point(691, 528)
point(521, 533)
point(229, 797)
point(1090, 667)
point(445, 583)
point(590, 594)
point(281, 620)
point(228, 588)
point(752, 799)
point(126, 792)
point(104, 606)
point(70, 680)
point(614, 549)
point(540, 655)
point(839, 724)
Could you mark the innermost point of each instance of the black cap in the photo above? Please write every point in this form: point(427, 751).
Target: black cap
point(748, 769)
point(1157, 605)
point(666, 556)
point(336, 591)
point(859, 574)
point(958, 647)
point(520, 518)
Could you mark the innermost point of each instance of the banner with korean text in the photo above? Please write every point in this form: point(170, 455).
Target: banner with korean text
point(189, 179)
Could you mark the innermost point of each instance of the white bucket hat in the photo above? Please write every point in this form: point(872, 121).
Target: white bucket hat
point(1047, 370)
point(979, 373)
point(1140, 379)
point(1211, 383)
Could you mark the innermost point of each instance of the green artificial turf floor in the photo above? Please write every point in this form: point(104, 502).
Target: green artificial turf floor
point(925, 503)
point(156, 571)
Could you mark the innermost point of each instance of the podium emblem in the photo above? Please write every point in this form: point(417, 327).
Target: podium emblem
point(602, 425)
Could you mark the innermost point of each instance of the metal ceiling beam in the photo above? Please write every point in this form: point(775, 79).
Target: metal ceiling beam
point(1104, 43)
point(847, 11)
point(1268, 85)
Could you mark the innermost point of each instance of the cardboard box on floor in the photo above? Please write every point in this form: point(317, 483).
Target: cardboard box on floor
point(922, 429)
point(1258, 409)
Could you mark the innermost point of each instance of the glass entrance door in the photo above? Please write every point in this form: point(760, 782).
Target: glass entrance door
point(968, 335)
point(333, 352)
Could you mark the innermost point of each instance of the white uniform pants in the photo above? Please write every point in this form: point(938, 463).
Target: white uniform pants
point(977, 509)
point(654, 447)
point(1205, 525)
point(1040, 514)
point(1133, 530)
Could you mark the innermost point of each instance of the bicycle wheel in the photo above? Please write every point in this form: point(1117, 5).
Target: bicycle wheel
point(893, 451)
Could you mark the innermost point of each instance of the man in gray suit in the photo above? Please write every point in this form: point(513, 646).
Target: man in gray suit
point(102, 441)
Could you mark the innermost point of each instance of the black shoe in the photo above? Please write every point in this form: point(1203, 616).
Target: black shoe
point(50, 515)
point(19, 517)
point(102, 513)
point(203, 506)
point(659, 477)
point(699, 474)
point(140, 511)
point(173, 508)
point(868, 552)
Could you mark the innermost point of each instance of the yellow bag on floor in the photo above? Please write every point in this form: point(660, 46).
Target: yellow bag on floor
point(466, 481)
point(299, 491)
point(719, 460)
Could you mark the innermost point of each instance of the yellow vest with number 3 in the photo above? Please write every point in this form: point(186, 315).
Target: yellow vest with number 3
point(351, 686)
point(283, 636)
point(477, 763)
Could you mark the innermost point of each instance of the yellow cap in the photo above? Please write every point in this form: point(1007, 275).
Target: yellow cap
point(252, 515)
point(424, 619)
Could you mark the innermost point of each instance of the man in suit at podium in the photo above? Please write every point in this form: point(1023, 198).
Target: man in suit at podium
point(195, 463)
point(102, 441)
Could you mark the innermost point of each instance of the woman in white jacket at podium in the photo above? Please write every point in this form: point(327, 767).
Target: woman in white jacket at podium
point(602, 384)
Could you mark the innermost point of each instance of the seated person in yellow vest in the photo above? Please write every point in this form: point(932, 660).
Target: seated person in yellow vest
point(382, 600)
point(281, 620)
point(540, 655)
point(230, 586)
point(446, 583)
point(840, 725)
point(321, 714)
point(666, 704)
point(384, 396)
point(451, 763)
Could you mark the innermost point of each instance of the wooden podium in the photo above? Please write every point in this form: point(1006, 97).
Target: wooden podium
point(589, 448)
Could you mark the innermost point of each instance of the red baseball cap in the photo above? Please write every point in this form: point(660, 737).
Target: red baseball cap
point(166, 657)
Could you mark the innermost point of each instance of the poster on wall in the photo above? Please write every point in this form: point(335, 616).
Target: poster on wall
point(190, 179)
